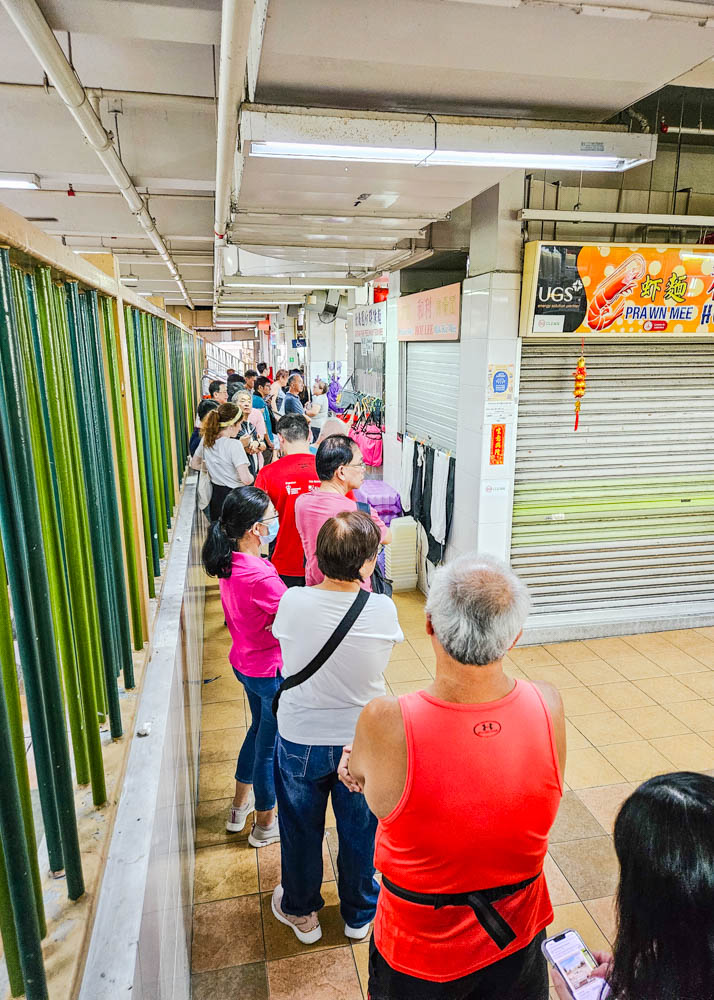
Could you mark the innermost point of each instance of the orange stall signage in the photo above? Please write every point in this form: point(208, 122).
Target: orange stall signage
point(617, 290)
point(498, 444)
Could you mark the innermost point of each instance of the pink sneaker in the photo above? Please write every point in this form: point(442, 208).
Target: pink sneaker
point(307, 929)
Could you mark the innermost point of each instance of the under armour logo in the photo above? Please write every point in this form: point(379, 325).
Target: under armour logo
point(485, 729)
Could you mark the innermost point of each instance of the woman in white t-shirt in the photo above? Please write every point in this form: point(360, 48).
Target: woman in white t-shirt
point(222, 455)
point(318, 410)
point(318, 717)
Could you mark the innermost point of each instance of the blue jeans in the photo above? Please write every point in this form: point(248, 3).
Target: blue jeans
point(255, 760)
point(305, 776)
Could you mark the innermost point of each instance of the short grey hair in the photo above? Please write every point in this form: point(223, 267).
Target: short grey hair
point(477, 606)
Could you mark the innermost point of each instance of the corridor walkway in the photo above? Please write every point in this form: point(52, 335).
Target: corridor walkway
point(636, 706)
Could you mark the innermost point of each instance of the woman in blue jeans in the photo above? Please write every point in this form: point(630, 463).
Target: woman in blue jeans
point(250, 592)
point(318, 717)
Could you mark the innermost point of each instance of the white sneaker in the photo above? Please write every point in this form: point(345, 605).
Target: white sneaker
point(307, 929)
point(261, 836)
point(237, 815)
point(358, 933)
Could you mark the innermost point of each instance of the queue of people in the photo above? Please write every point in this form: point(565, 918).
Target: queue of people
point(449, 792)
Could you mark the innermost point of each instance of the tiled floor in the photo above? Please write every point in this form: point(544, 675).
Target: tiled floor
point(636, 706)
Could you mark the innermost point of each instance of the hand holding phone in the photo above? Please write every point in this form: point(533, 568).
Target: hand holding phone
point(576, 965)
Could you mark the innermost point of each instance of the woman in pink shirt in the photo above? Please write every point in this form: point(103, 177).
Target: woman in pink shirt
point(250, 592)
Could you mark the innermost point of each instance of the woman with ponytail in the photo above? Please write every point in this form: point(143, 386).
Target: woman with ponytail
point(250, 592)
point(222, 454)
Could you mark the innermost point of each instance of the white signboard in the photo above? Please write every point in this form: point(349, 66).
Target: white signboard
point(371, 321)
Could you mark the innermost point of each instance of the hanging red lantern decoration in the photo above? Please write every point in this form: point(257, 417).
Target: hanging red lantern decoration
point(580, 375)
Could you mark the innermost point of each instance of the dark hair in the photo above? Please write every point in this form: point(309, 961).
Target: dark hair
point(230, 371)
point(262, 367)
point(251, 373)
point(664, 838)
point(293, 427)
point(345, 543)
point(211, 426)
point(241, 509)
point(335, 450)
point(281, 373)
point(235, 377)
point(261, 381)
point(205, 406)
point(215, 386)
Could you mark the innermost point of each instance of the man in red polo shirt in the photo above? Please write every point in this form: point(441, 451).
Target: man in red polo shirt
point(284, 481)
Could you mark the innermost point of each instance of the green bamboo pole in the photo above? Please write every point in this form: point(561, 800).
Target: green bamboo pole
point(71, 496)
point(123, 471)
point(144, 398)
point(142, 449)
point(22, 540)
point(164, 421)
point(146, 366)
point(85, 390)
point(43, 458)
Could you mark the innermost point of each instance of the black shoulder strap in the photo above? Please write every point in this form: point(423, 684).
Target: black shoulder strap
point(353, 613)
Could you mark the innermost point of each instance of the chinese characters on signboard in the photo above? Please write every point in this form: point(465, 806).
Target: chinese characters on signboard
point(619, 289)
point(498, 444)
point(370, 322)
point(432, 315)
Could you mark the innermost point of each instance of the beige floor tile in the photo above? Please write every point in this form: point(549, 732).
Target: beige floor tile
point(402, 651)
point(581, 701)
point(637, 761)
point(225, 871)
point(221, 744)
point(590, 866)
point(423, 647)
point(223, 715)
point(211, 819)
point(406, 670)
point(652, 721)
point(361, 956)
point(322, 975)
point(568, 653)
point(574, 738)
point(575, 915)
point(224, 689)
point(603, 912)
point(574, 821)
point(555, 674)
point(665, 690)
point(698, 714)
point(709, 736)
point(604, 803)
point(594, 671)
point(664, 653)
point(589, 769)
point(247, 982)
point(603, 728)
point(269, 866)
point(216, 944)
point(559, 889)
point(626, 660)
point(702, 684)
point(531, 656)
point(698, 646)
point(689, 752)
point(406, 687)
point(622, 695)
point(216, 781)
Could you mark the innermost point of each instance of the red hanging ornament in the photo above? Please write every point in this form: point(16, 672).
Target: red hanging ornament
point(580, 375)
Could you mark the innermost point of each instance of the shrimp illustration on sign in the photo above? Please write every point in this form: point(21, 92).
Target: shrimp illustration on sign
point(608, 302)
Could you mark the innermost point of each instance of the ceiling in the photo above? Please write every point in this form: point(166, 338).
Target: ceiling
point(156, 64)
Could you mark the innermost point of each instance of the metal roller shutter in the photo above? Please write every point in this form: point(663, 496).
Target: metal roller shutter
point(432, 394)
point(614, 525)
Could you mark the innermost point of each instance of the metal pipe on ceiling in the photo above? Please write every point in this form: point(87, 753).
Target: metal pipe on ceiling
point(33, 27)
point(132, 96)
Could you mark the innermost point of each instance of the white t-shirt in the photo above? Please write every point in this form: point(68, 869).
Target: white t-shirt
point(319, 419)
point(324, 710)
point(222, 460)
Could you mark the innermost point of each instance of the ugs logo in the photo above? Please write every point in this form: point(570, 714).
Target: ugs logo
point(486, 729)
point(557, 294)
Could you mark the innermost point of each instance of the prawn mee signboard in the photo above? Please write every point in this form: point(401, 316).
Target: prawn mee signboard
point(617, 290)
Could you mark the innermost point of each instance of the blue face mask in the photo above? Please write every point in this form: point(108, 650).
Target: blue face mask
point(272, 527)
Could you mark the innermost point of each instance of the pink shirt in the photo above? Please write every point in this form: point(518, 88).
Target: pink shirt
point(250, 599)
point(311, 512)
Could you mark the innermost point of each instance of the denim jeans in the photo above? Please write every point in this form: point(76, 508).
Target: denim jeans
point(255, 760)
point(305, 776)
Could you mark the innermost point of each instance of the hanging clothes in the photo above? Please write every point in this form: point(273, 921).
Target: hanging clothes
point(438, 496)
point(407, 472)
point(425, 515)
point(437, 549)
point(417, 492)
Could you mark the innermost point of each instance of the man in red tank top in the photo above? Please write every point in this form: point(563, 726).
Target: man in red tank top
point(465, 778)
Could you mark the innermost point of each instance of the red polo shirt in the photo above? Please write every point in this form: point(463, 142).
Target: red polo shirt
point(284, 481)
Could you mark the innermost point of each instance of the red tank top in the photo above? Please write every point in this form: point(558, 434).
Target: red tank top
point(481, 794)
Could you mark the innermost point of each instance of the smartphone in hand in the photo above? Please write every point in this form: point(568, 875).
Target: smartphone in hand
point(570, 956)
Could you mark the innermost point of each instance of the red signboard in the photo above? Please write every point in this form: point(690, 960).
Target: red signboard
point(498, 444)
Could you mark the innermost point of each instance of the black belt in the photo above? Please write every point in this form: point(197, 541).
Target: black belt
point(480, 901)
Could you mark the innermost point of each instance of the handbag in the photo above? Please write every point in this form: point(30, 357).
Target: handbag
point(380, 583)
point(204, 492)
point(353, 613)
point(347, 397)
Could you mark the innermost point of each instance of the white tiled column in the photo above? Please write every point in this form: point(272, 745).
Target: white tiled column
point(483, 498)
point(392, 461)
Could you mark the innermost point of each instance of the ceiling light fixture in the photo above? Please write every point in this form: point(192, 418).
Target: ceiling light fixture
point(319, 281)
point(19, 182)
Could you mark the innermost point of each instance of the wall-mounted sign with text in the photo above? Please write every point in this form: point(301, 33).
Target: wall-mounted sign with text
point(617, 290)
point(371, 322)
point(433, 315)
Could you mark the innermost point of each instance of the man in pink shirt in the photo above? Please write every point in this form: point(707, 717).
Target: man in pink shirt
point(340, 469)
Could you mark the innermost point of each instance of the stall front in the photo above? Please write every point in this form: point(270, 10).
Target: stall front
point(613, 508)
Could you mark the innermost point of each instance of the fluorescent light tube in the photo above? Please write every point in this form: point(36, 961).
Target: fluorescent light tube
point(288, 283)
point(129, 279)
point(19, 182)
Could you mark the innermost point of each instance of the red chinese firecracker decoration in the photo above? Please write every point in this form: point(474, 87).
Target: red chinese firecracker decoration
point(580, 374)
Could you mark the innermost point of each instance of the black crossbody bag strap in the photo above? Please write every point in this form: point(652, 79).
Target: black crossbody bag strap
point(353, 613)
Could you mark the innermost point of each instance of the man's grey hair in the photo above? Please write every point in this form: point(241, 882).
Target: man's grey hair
point(477, 606)
point(294, 379)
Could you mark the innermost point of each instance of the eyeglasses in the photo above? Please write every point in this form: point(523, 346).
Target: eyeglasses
point(264, 520)
point(356, 465)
